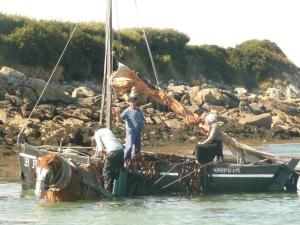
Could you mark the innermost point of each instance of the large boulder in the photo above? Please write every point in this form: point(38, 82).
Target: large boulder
point(262, 120)
point(17, 120)
point(82, 92)
point(214, 108)
point(179, 89)
point(12, 81)
point(291, 109)
point(45, 112)
point(157, 119)
point(292, 92)
point(16, 83)
point(193, 92)
point(216, 96)
point(175, 124)
point(241, 91)
point(258, 108)
point(73, 122)
point(275, 93)
point(5, 114)
point(35, 87)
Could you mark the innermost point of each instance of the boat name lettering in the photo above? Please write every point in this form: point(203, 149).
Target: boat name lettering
point(26, 162)
point(227, 170)
point(34, 162)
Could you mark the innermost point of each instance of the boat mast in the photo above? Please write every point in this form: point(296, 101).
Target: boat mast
point(108, 64)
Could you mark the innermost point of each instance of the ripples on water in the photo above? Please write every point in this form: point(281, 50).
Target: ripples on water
point(265, 208)
point(17, 207)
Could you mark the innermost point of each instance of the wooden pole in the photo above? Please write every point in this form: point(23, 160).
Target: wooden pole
point(108, 53)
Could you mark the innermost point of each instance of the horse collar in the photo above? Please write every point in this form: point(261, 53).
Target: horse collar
point(64, 179)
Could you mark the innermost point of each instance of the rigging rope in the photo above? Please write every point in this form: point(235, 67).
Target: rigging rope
point(41, 95)
point(147, 44)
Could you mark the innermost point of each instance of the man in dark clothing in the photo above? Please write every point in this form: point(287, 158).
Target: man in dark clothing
point(114, 162)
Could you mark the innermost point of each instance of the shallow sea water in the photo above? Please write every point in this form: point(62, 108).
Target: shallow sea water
point(17, 207)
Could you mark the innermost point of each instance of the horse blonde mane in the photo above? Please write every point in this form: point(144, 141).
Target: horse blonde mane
point(47, 160)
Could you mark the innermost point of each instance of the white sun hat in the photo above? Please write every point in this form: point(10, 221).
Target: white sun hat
point(211, 118)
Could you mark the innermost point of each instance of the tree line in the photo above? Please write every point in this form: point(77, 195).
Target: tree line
point(25, 41)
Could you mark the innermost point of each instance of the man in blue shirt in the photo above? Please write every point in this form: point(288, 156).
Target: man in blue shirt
point(134, 120)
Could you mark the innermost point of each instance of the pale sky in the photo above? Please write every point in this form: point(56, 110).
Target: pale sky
point(225, 23)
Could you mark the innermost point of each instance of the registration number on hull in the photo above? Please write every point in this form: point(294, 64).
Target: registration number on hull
point(222, 170)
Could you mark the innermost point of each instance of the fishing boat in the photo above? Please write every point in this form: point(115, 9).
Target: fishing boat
point(245, 170)
point(169, 174)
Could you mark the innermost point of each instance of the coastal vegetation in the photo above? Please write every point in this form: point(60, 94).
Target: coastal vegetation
point(222, 80)
point(39, 43)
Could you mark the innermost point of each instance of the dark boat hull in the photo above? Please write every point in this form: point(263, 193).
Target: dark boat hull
point(221, 177)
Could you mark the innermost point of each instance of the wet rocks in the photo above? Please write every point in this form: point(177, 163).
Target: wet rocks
point(262, 120)
point(69, 114)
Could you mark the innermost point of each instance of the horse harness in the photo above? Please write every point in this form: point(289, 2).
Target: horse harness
point(65, 177)
point(63, 180)
point(83, 180)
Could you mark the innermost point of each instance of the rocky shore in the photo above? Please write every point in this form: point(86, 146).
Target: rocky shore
point(69, 112)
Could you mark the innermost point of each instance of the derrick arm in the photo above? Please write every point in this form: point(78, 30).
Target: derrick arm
point(124, 79)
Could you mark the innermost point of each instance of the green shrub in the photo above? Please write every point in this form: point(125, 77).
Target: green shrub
point(9, 23)
point(29, 42)
point(258, 61)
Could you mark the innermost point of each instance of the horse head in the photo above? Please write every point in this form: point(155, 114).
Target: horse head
point(53, 173)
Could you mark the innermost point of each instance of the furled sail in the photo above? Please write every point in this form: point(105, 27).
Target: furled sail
point(124, 79)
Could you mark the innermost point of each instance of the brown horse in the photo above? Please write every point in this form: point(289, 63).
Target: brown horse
point(59, 180)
